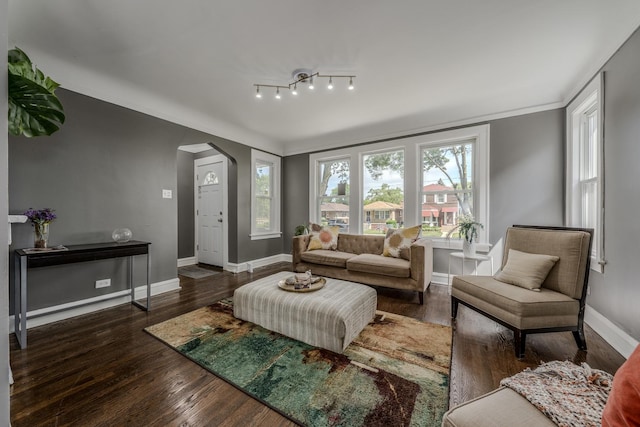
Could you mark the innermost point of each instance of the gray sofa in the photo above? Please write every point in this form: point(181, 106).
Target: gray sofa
point(359, 258)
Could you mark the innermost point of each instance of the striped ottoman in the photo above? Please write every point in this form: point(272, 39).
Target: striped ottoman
point(330, 317)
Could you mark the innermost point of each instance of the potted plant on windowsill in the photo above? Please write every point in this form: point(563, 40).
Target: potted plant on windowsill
point(468, 230)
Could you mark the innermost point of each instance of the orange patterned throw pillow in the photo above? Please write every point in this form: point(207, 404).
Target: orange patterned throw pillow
point(398, 241)
point(323, 237)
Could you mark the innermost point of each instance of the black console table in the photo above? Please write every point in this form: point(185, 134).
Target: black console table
point(25, 259)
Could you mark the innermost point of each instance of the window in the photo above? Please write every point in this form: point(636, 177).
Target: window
point(333, 193)
point(383, 189)
point(265, 196)
point(584, 166)
point(210, 178)
point(447, 177)
point(387, 183)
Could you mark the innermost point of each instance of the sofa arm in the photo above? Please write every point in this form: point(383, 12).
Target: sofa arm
point(422, 262)
point(300, 244)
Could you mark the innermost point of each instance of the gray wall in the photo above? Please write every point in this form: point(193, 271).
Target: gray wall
point(615, 294)
point(295, 180)
point(526, 178)
point(4, 210)
point(527, 171)
point(103, 170)
point(106, 169)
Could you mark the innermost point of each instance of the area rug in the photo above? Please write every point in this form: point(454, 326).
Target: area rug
point(195, 272)
point(395, 373)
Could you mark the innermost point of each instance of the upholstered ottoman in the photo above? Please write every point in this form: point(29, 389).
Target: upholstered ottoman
point(330, 317)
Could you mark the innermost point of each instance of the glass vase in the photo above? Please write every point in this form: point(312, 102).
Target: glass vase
point(41, 237)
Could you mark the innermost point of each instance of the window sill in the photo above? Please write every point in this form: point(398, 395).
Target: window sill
point(262, 236)
point(456, 244)
point(596, 266)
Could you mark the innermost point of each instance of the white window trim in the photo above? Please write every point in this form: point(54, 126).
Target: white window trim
point(593, 92)
point(260, 156)
point(412, 174)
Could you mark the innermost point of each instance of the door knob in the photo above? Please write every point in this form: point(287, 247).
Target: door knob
point(219, 219)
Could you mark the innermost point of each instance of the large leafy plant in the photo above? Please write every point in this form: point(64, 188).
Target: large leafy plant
point(34, 109)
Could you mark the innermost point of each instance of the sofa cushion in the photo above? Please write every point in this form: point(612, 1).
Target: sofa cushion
point(323, 237)
point(623, 404)
point(377, 264)
point(398, 241)
point(526, 270)
point(326, 257)
point(517, 306)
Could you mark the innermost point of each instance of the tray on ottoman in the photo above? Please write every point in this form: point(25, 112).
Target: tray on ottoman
point(330, 317)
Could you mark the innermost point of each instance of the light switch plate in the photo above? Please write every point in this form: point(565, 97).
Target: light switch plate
point(167, 194)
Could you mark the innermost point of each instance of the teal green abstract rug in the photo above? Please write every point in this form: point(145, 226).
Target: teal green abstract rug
point(395, 373)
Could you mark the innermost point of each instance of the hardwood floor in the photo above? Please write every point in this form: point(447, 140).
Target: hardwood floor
point(102, 369)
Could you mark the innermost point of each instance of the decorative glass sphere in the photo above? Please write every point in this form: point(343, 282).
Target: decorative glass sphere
point(122, 235)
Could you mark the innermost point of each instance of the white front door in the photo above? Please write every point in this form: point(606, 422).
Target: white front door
point(209, 213)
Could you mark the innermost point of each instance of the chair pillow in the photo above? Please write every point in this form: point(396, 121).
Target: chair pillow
point(398, 241)
point(526, 270)
point(323, 237)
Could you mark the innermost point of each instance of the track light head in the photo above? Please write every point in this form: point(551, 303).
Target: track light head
point(330, 85)
point(258, 94)
point(278, 93)
point(294, 91)
point(311, 86)
point(350, 87)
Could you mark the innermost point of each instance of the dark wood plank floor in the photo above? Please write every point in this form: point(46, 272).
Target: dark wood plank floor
point(101, 369)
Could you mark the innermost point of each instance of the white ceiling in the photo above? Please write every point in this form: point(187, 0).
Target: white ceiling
point(420, 64)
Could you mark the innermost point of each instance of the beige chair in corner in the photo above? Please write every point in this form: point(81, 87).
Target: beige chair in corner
point(558, 305)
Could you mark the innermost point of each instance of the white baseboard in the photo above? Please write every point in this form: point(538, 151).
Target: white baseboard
point(55, 313)
point(183, 262)
point(440, 279)
point(257, 263)
point(622, 342)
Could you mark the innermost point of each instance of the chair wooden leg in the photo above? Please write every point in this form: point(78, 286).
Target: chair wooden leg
point(421, 297)
point(519, 338)
point(454, 307)
point(580, 338)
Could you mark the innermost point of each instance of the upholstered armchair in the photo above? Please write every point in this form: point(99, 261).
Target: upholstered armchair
point(541, 287)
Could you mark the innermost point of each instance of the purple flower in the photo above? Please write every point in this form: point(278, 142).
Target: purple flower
point(42, 216)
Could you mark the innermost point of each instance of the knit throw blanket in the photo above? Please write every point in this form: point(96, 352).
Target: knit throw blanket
point(568, 394)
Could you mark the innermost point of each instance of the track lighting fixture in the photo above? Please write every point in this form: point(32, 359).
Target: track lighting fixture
point(304, 77)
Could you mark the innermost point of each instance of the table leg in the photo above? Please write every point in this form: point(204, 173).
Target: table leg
point(20, 298)
point(449, 276)
point(148, 286)
point(133, 300)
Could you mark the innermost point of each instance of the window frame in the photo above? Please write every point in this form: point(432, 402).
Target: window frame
point(260, 157)
point(590, 99)
point(412, 147)
point(317, 215)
